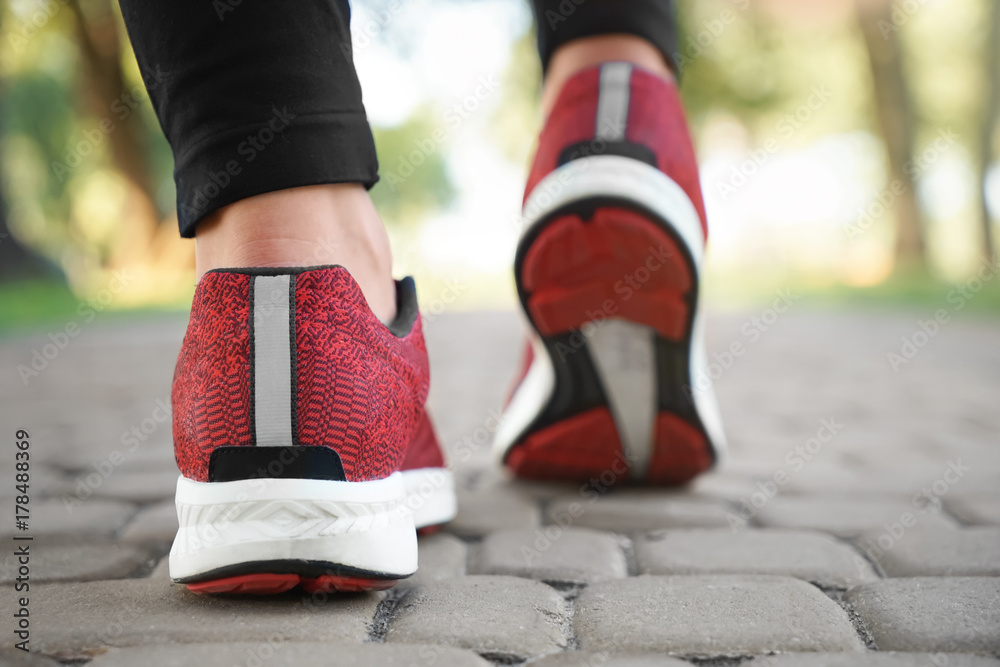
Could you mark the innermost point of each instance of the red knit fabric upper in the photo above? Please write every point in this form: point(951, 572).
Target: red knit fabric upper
point(655, 120)
point(359, 389)
point(211, 391)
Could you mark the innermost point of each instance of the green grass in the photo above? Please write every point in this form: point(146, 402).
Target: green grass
point(25, 305)
point(28, 303)
point(911, 292)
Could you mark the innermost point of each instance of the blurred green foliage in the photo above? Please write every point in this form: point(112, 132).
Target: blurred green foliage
point(753, 62)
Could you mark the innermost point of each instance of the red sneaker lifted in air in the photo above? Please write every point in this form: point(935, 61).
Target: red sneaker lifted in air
point(614, 378)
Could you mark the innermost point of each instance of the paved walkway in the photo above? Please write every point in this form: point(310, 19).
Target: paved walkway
point(856, 522)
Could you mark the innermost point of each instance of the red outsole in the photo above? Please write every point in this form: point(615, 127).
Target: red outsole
point(616, 264)
point(680, 452)
point(576, 448)
point(271, 584)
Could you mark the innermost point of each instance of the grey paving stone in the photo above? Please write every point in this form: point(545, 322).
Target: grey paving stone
point(10, 657)
point(975, 510)
point(634, 510)
point(139, 486)
point(491, 477)
point(80, 619)
point(946, 614)
point(440, 556)
point(844, 518)
point(162, 570)
point(726, 483)
point(589, 659)
point(711, 615)
point(801, 554)
point(551, 553)
point(45, 482)
point(505, 617)
point(875, 659)
point(156, 524)
point(76, 562)
point(955, 552)
point(274, 651)
point(90, 519)
point(153, 455)
point(494, 508)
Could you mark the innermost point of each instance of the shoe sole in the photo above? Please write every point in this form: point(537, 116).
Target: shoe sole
point(267, 536)
point(607, 275)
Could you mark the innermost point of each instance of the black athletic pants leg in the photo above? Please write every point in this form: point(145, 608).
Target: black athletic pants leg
point(261, 96)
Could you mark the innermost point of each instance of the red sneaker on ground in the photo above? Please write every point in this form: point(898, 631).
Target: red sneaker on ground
point(615, 382)
point(299, 428)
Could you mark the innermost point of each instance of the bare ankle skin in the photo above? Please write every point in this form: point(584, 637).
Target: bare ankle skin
point(307, 226)
point(592, 51)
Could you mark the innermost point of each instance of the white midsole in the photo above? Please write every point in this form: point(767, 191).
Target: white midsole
point(632, 180)
point(430, 496)
point(365, 525)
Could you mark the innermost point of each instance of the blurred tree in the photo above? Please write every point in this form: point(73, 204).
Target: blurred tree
point(18, 261)
point(897, 121)
point(110, 99)
point(413, 180)
point(989, 135)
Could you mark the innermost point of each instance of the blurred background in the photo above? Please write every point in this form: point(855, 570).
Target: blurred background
point(849, 151)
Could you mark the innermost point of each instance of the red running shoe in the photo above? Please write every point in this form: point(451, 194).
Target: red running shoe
point(299, 428)
point(615, 382)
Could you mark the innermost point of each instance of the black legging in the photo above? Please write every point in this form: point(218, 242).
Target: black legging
point(261, 95)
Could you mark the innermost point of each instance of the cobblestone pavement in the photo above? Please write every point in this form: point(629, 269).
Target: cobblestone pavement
point(856, 521)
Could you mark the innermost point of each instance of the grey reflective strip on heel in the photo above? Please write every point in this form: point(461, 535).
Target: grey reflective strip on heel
point(612, 101)
point(272, 360)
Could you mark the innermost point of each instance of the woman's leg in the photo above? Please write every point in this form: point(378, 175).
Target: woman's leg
point(573, 37)
point(272, 149)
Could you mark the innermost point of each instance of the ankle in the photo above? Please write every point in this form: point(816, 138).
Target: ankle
point(306, 226)
point(581, 54)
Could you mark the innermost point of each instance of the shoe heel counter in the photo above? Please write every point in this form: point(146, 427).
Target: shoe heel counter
point(211, 391)
point(620, 110)
point(360, 385)
point(276, 362)
point(656, 119)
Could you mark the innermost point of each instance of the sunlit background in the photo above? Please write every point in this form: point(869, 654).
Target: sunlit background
point(848, 148)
